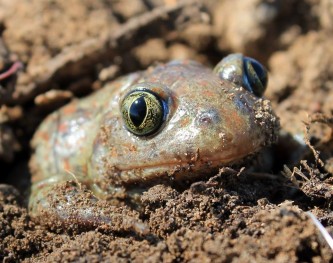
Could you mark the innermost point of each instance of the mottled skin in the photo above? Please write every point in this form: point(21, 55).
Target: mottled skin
point(210, 123)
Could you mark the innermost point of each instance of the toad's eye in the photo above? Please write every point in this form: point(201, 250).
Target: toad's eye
point(243, 71)
point(143, 112)
point(255, 76)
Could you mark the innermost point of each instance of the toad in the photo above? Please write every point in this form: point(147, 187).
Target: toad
point(172, 123)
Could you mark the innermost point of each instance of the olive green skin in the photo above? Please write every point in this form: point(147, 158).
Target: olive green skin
point(210, 123)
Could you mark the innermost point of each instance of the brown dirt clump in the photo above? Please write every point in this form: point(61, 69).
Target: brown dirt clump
point(54, 51)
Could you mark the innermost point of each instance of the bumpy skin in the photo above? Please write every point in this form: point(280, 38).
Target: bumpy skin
point(210, 123)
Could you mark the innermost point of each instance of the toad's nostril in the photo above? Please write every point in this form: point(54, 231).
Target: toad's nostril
point(208, 117)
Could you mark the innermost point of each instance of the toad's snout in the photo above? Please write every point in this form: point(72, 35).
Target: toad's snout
point(208, 117)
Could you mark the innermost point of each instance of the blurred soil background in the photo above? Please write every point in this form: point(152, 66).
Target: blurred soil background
point(56, 50)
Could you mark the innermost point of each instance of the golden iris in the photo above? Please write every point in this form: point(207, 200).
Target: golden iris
point(143, 112)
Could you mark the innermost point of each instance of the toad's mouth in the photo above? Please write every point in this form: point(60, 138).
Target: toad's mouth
point(186, 168)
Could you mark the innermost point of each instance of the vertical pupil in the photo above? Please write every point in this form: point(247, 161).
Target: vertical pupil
point(138, 110)
point(260, 73)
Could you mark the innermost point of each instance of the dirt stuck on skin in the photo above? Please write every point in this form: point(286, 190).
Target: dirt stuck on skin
point(55, 51)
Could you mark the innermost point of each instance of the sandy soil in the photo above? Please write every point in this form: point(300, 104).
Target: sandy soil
point(67, 49)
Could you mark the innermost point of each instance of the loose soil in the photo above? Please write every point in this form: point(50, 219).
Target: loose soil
point(253, 213)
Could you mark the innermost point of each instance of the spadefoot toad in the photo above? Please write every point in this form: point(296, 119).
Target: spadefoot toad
point(171, 123)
